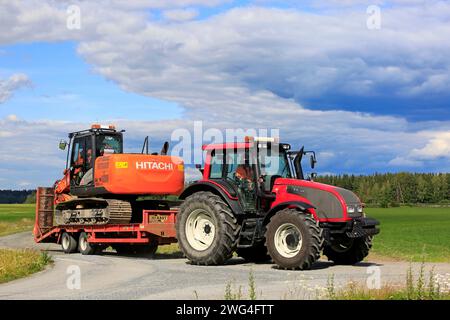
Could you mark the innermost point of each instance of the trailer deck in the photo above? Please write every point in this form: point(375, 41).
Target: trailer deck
point(157, 226)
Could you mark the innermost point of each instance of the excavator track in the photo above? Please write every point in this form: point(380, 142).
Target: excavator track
point(93, 211)
point(119, 211)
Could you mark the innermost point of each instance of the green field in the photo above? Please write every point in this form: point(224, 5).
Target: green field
point(413, 233)
point(16, 218)
point(407, 233)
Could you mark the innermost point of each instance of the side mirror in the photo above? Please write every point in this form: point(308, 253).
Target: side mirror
point(199, 167)
point(63, 144)
point(313, 161)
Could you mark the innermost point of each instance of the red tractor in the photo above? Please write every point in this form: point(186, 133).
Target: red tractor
point(255, 200)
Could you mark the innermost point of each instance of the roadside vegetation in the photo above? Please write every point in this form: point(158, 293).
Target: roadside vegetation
point(15, 264)
point(238, 293)
point(412, 233)
point(16, 218)
point(424, 286)
point(419, 285)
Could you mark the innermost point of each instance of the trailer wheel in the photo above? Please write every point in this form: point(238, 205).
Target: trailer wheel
point(257, 253)
point(206, 229)
point(294, 239)
point(84, 246)
point(68, 243)
point(348, 251)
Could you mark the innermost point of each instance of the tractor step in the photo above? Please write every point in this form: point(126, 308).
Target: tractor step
point(251, 231)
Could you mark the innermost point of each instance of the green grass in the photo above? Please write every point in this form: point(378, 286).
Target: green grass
point(169, 251)
point(413, 233)
point(16, 218)
point(15, 264)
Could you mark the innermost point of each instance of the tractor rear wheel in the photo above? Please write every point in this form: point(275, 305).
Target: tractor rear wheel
point(84, 246)
point(257, 253)
point(206, 229)
point(348, 251)
point(294, 239)
point(68, 243)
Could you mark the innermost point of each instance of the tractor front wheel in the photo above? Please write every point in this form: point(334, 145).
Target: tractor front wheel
point(348, 251)
point(294, 239)
point(206, 229)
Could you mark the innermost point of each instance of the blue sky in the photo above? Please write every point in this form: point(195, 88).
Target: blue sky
point(64, 85)
point(366, 100)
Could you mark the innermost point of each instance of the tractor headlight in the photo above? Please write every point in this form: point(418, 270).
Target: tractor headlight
point(360, 208)
point(350, 209)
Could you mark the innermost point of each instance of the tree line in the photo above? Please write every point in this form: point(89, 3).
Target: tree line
point(15, 196)
point(389, 189)
point(394, 189)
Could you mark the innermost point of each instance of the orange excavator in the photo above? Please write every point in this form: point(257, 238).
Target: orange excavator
point(103, 185)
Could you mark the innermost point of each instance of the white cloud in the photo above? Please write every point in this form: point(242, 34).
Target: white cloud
point(180, 14)
point(13, 83)
point(161, 4)
point(404, 162)
point(438, 146)
point(12, 117)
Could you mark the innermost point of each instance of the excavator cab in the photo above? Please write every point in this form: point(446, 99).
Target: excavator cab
point(88, 145)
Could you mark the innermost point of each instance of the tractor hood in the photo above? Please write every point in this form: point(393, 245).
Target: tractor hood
point(330, 202)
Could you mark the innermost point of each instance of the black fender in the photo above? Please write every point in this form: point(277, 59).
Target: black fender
point(299, 205)
point(217, 188)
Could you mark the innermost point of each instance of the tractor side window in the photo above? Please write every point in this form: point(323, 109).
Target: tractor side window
point(240, 171)
point(216, 166)
point(237, 169)
point(273, 164)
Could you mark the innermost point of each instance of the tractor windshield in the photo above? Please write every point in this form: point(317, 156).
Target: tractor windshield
point(273, 164)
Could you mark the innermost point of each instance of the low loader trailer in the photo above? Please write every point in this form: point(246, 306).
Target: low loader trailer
point(157, 228)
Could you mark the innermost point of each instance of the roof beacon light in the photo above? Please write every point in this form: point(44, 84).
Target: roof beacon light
point(267, 139)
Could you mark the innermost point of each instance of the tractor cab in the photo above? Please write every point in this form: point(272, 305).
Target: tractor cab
point(250, 169)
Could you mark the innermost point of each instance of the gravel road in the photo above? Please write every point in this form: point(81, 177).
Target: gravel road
point(110, 276)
